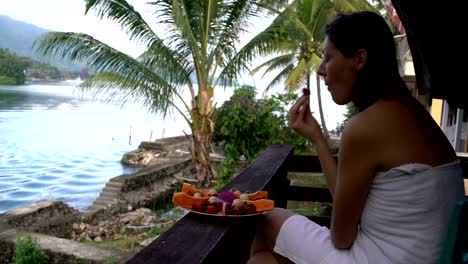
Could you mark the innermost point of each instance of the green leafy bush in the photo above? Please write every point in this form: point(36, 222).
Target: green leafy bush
point(28, 252)
point(246, 126)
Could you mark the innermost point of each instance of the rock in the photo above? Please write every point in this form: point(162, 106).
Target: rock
point(75, 226)
point(98, 239)
point(148, 241)
point(82, 226)
point(82, 237)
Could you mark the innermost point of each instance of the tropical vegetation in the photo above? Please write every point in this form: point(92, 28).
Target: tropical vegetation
point(12, 67)
point(293, 42)
point(191, 52)
point(245, 126)
point(16, 69)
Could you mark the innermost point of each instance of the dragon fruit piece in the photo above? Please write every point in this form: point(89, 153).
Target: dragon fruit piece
point(227, 197)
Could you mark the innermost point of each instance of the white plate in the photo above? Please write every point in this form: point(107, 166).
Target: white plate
point(219, 214)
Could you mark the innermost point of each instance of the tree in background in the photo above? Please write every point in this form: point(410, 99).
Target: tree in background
point(294, 42)
point(12, 67)
point(246, 126)
point(194, 54)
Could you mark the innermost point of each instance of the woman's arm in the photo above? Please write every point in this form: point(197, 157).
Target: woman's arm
point(349, 180)
point(357, 164)
point(302, 121)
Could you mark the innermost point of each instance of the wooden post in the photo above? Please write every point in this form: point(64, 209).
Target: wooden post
point(130, 136)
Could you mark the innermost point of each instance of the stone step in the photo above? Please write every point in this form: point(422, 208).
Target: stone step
point(114, 184)
point(99, 204)
point(108, 194)
point(115, 180)
point(106, 200)
point(112, 188)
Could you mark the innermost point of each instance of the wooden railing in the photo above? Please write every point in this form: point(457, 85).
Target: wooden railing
point(207, 239)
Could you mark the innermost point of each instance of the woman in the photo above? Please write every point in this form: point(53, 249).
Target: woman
point(397, 176)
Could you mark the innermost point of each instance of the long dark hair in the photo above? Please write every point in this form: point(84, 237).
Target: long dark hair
point(380, 77)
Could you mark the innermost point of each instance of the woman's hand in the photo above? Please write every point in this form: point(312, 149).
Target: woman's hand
point(302, 121)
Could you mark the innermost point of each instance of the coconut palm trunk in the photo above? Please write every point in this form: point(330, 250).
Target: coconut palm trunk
point(319, 99)
point(202, 133)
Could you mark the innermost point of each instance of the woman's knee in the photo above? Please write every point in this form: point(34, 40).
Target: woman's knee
point(262, 257)
point(271, 224)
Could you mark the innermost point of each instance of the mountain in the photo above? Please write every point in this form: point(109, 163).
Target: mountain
point(18, 37)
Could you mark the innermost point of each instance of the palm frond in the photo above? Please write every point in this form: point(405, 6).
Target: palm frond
point(125, 15)
point(277, 62)
point(266, 42)
point(297, 76)
point(172, 64)
point(125, 90)
point(283, 74)
point(102, 58)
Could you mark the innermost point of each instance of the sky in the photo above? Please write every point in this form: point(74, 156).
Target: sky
point(68, 15)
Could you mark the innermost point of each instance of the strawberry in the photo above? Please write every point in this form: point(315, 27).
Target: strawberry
point(251, 209)
point(218, 205)
point(198, 207)
point(235, 210)
point(211, 209)
point(306, 91)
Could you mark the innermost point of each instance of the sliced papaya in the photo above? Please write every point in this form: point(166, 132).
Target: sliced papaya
point(263, 204)
point(191, 190)
point(258, 195)
point(186, 201)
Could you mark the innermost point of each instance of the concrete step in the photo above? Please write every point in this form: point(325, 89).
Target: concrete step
point(115, 180)
point(114, 189)
point(99, 205)
point(106, 200)
point(108, 194)
point(114, 184)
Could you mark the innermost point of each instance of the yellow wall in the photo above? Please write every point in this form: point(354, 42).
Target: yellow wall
point(436, 110)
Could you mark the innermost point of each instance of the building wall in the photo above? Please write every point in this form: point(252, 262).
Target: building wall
point(436, 110)
point(448, 125)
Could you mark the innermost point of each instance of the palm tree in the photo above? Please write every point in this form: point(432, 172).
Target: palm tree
point(295, 38)
point(195, 55)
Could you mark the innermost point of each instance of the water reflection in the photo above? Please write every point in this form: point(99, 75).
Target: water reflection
point(58, 145)
point(23, 100)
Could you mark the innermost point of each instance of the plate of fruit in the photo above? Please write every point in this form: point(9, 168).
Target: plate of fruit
point(228, 204)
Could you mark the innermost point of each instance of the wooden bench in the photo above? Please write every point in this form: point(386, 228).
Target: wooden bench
point(201, 239)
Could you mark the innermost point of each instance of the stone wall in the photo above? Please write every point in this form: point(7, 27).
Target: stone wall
point(158, 152)
point(46, 217)
point(147, 177)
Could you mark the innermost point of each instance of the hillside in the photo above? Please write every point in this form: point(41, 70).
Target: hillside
point(18, 37)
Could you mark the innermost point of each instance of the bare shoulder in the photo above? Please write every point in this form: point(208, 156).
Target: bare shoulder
point(405, 130)
point(363, 126)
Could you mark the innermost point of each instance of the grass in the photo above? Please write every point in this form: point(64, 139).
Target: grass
point(130, 242)
point(28, 251)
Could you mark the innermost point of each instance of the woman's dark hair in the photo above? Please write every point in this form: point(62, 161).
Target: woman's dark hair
point(379, 77)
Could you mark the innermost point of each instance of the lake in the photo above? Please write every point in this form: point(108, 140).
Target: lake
point(57, 144)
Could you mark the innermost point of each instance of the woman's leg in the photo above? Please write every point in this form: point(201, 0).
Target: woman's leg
point(264, 242)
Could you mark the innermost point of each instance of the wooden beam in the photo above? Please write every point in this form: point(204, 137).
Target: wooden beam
point(316, 194)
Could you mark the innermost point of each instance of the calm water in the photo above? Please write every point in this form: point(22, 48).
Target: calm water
point(55, 144)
